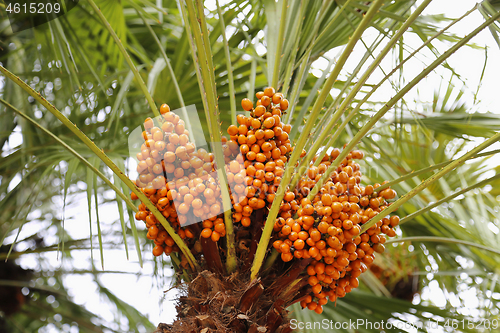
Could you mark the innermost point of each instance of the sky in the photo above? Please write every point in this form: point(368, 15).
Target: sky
point(147, 293)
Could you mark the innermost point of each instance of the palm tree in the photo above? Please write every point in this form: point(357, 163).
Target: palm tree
point(105, 66)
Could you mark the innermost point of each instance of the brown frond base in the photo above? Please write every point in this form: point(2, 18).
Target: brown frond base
point(230, 304)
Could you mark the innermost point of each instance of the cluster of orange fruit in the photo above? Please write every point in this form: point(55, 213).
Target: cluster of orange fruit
point(327, 229)
point(264, 145)
point(181, 181)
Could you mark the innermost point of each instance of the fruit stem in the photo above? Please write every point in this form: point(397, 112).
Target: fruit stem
point(176, 262)
point(271, 259)
point(289, 277)
point(293, 291)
